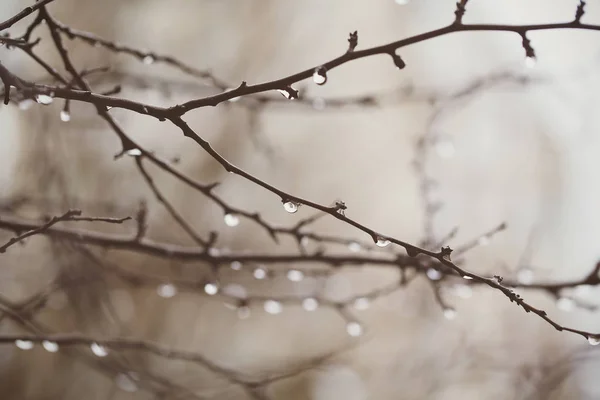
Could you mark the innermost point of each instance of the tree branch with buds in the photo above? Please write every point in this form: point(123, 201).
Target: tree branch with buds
point(431, 260)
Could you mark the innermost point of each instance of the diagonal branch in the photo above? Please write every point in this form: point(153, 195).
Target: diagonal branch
point(24, 13)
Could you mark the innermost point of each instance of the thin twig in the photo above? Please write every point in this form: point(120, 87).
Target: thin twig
point(24, 13)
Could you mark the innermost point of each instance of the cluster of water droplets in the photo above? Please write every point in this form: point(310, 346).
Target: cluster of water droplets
point(51, 346)
point(168, 290)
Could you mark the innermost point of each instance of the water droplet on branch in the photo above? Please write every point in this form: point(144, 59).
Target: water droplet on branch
point(289, 93)
point(354, 329)
point(260, 273)
point(49, 346)
point(236, 265)
point(24, 344)
point(231, 220)
point(211, 289)
point(594, 340)
point(295, 275)
point(290, 207)
point(382, 242)
point(166, 290)
point(134, 152)
point(320, 75)
point(434, 274)
point(65, 116)
point(149, 59)
point(43, 99)
point(98, 350)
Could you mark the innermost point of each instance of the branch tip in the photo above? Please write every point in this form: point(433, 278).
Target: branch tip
point(352, 41)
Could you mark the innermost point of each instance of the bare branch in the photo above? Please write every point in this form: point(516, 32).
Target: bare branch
point(26, 12)
point(460, 11)
point(436, 266)
point(580, 11)
point(66, 216)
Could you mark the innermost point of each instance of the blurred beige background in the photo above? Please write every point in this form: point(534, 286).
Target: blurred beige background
point(507, 151)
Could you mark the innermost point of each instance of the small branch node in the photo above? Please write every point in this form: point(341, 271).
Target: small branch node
point(579, 12)
point(352, 41)
point(460, 11)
